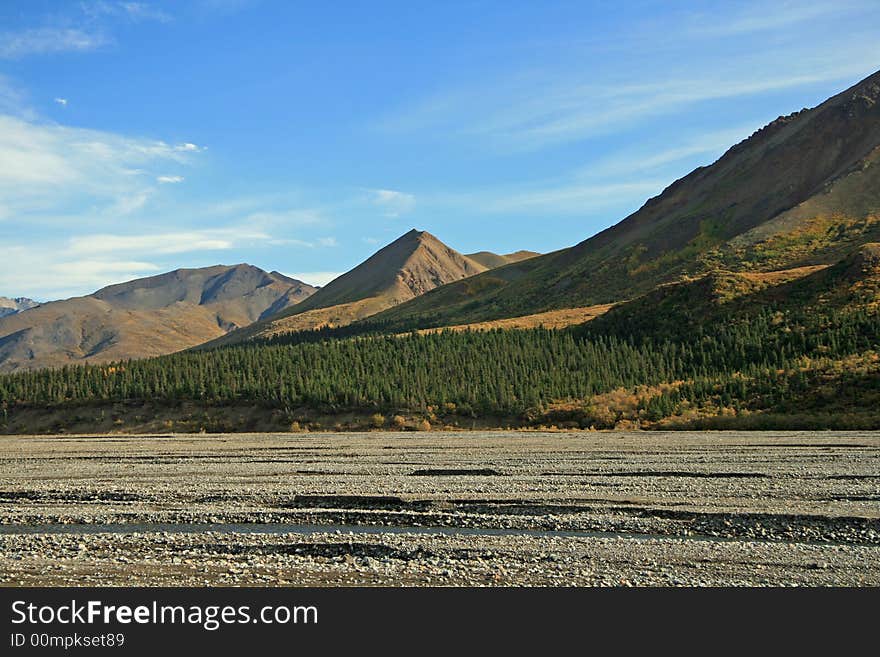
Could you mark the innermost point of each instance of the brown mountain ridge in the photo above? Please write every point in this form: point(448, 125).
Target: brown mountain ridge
point(145, 317)
point(407, 268)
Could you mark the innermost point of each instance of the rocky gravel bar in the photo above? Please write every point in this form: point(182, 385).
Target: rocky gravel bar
point(449, 509)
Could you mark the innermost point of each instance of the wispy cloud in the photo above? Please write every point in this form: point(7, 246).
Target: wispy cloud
point(84, 27)
point(13, 100)
point(393, 203)
point(309, 244)
point(164, 243)
point(533, 107)
point(48, 40)
point(556, 198)
point(623, 181)
point(46, 276)
point(763, 17)
point(624, 164)
point(44, 163)
point(189, 148)
point(61, 101)
point(571, 111)
point(130, 11)
point(169, 180)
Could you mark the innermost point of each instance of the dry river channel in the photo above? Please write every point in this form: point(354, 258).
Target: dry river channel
point(442, 509)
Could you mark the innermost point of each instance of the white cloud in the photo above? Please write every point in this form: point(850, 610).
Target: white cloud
point(165, 180)
point(42, 274)
point(48, 40)
point(61, 101)
point(319, 278)
point(392, 202)
point(164, 243)
point(189, 148)
point(50, 168)
point(83, 263)
point(327, 241)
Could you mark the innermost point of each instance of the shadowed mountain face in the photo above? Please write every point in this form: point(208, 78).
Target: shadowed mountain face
point(18, 304)
point(803, 190)
point(410, 266)
point(145, 317)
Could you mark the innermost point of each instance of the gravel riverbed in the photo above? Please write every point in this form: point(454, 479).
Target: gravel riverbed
point(457, 509)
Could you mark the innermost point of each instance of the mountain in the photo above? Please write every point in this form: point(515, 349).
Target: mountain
point(145, 317)
point(745, 296)
point(11, 306)
point(492, 260)
point(795, 349)
point(804, 190)
point(410, 266)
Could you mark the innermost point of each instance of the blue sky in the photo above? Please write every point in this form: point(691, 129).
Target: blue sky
point(138, 137)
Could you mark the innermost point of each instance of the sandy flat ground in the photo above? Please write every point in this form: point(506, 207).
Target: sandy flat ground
point(495, 508)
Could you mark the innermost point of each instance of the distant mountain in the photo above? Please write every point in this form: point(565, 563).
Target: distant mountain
point(803, 190)
point(145, 317)
point(11, 306)
point(410, 266)
point(492, 260)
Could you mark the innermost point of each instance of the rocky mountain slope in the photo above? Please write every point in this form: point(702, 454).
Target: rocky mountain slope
point(10, 306)
point(145, 317)
point(803, 190)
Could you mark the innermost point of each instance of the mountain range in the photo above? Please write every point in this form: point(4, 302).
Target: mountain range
point(746, 294)
point(410, 266)
point(145, 317)
point(221, 305)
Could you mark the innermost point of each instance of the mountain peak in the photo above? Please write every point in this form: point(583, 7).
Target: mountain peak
point(410, 265)
point(414, 235)
point(144, 317)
